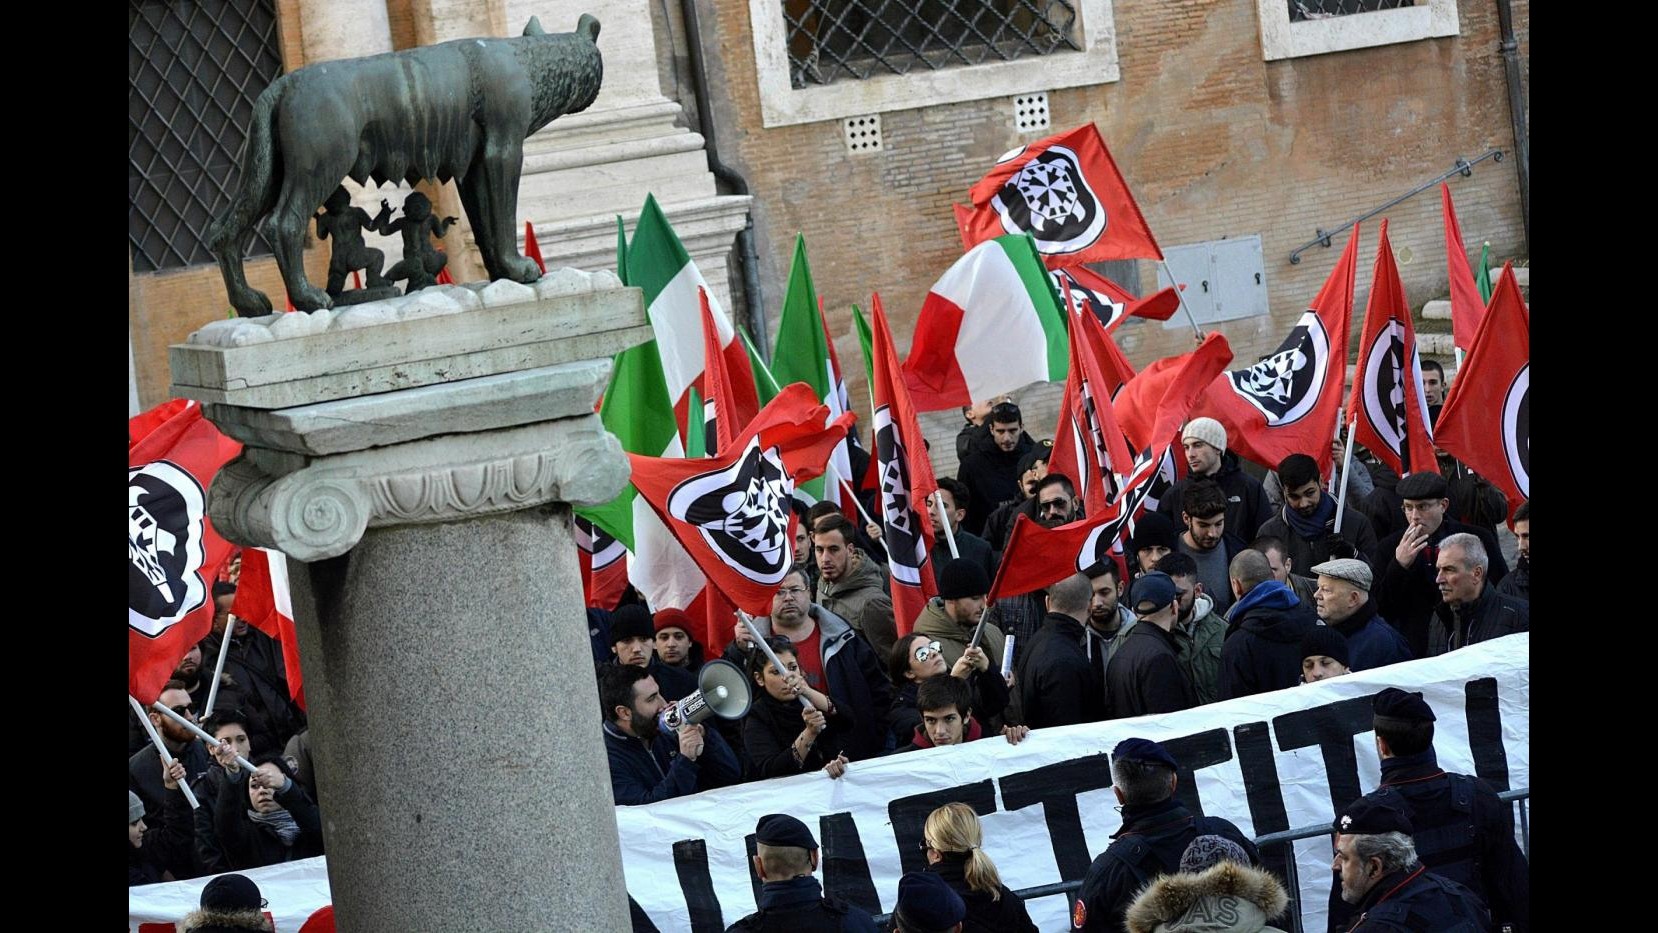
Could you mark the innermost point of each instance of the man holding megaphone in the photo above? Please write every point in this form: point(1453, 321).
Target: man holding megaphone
point(659, 750)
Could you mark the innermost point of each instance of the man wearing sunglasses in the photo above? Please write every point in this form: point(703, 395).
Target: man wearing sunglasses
point(144, 767)
point(1055, 503)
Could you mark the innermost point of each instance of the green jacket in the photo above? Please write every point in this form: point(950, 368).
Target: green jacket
point(1199, 645)
point(953, 637)
point(861, 599)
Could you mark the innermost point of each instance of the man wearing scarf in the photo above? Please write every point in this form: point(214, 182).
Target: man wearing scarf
point(1306, 522)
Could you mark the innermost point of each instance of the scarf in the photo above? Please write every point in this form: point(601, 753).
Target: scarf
point(278, 822)
point(1315, 528)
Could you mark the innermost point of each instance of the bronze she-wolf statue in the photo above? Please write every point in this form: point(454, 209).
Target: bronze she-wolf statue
point(459, 110)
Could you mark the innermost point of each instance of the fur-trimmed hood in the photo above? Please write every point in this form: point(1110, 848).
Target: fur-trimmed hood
point(211, 921)
point(1228, 898)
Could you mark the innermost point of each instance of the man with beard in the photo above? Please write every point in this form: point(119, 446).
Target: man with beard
point(850, 584)
point(1207, 540)
point(1264, 631)
point(1057, 685)
point(989, 469)
point(1198, 631)
point(1406, 591)
point(647, 764)
point(1518, 582)
point(1204, 440)
point(1109, 621)
point(633, 640)
point(189, 673)
point(1031, 469)
point(144, 766)
point(1154, 536)
point(1146, 676)
point(1307, 522)
point(1473, 611)
point(1387, 885)
point(1344, 604)
point(953, 496)
point(1054, 504)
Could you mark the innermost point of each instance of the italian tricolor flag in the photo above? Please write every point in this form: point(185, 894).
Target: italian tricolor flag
point(804, 353)
point(990, 325)
point(647, 400)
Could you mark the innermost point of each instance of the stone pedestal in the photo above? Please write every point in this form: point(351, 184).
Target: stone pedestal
point(424, 497)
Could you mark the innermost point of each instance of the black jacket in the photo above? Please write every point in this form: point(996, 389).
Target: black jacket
point(1407, 596)
point(1518, 582)
point(1247, 507)
point(1492, 615)
point(144, 772)
point(1263, 641)
point(989, 700)
point(1003, 914)
point(971, 547)
point(641, 773)
point(1057, 685)
point(250, 845)
point(1408, 902)
point(989, 473)
point(1307, 554)
point(1149, 844)
point(1145, 676)
point(166, 845)
point(798, 906)
point(769, 731)
point(259, 688)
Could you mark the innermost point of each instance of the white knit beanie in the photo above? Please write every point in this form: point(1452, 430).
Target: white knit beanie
point(1207, 430)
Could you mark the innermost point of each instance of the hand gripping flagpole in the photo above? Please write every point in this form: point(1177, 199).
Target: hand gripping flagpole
point(760, 640)
point(219, 668)
point(1346, 464)
point(167, 711)
point(1180, 293)
point(161, 747)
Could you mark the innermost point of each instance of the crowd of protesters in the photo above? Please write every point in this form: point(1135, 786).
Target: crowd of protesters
point(1242, 581)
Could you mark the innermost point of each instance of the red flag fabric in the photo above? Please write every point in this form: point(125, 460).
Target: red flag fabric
point(716, 381)
point(1088, 445)
point(840, 401)
point(906, 480)
point(532, 249)
point(731, 511)
point(1110, 302)
point(604, 572)
point(173, 553)
point(1067, 193)
point(1467, 307)
point(1486, 421)
point(717, 616)
point(262, 598)
point(1037, 556)
point(1388, 403)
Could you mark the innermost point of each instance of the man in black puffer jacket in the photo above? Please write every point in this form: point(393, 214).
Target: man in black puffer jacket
point(1247, 508)
point(1264, 631)
point(1473, 610)
point(988, 470)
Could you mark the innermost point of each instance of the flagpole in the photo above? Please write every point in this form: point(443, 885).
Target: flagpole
point(219, 668)
point(949, 534)
point(1459, 358)
point(1346, 464)
point(1336, 437)
point(1181, 295)
point(853, 493)
point(161, 747)
point(771, 655)
point(167, 711)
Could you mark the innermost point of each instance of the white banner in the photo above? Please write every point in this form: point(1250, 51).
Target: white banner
point(1269, 762)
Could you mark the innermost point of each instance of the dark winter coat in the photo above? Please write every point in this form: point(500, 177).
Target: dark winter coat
point(1145, 675)
point(1306, 554)
point(990, 475)
point(144, 772)
point(1003, 914)
point(769, 731)
point(247, 844)
point(1518, 582)
point(1371, 641)
point(971, 547)
point(1407, 596)
point(258, 687)
point(1226, 898)
point(641, 773)
point(1150, 843)
point(1247, 507)
point(1057, 685)
point(1492, 615)
point(798, 906)
point(1263, 641)
point(167, 844)
point(1412, 901)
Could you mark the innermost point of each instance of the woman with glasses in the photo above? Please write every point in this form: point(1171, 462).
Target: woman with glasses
point(954, 845)
point(780, 735)
point(915, 658)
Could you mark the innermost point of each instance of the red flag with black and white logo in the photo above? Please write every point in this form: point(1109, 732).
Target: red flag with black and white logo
point(1486, 421)
point(1110, 303)
point(1088, 445)
point(173, 553)
point(1388, 403)
point(1037, 556)
point(1067, 193)
point(906, 480)
point(603, 560)
point(731, 511)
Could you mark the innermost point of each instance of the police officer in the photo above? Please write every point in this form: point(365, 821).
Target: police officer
point(1156, 830)
point(1463, 832)
point(1385, 882)
point(791, 899)
point(927, 904)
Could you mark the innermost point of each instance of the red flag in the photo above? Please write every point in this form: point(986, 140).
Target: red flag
point(604, 572)
point(1486, 421)
point(1037, 556)
point(356, 279)
point(717, 384)
point(1088, 444)
point(1387, 400)
point(262, 599)
point(839, 401)
point(1467, 307)
point(731, 512)
point(173, 553)
point(1066, 192)
point(444, 278)
point(532, 249)
point(1110, 303)
point(906, 480)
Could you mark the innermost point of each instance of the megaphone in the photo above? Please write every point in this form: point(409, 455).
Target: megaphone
point(722, 690)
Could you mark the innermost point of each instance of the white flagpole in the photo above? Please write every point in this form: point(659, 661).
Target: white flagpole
point(219, 668)
point(1180, 294)
point(949, 533)
point(1346, 464)
point(760, 642)
point(161, 747)
point(198, 730)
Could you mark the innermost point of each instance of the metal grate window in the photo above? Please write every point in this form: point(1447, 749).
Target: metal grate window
point(1301, 10)
point(194, 68)
point(832, 40)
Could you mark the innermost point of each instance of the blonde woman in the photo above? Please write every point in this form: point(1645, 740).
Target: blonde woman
point(954, 845)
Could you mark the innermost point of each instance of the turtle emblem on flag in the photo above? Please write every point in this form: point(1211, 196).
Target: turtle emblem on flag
point(1050, 199)
point(1286, 385)
point(1085, 299)
point(1384, 387)
point(906, 548)
point(166, 510)
point(1517, 429)
point(604, 549)
point(742, 513)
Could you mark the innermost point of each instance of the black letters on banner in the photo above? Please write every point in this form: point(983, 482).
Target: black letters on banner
point(1196, 752)
point(845, 870)
point(1056, 787)
point(641, 922)
point(1485, 732)
point(691, 864)
point(1331, 727)
point(909, 816)
point(1266, 801)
